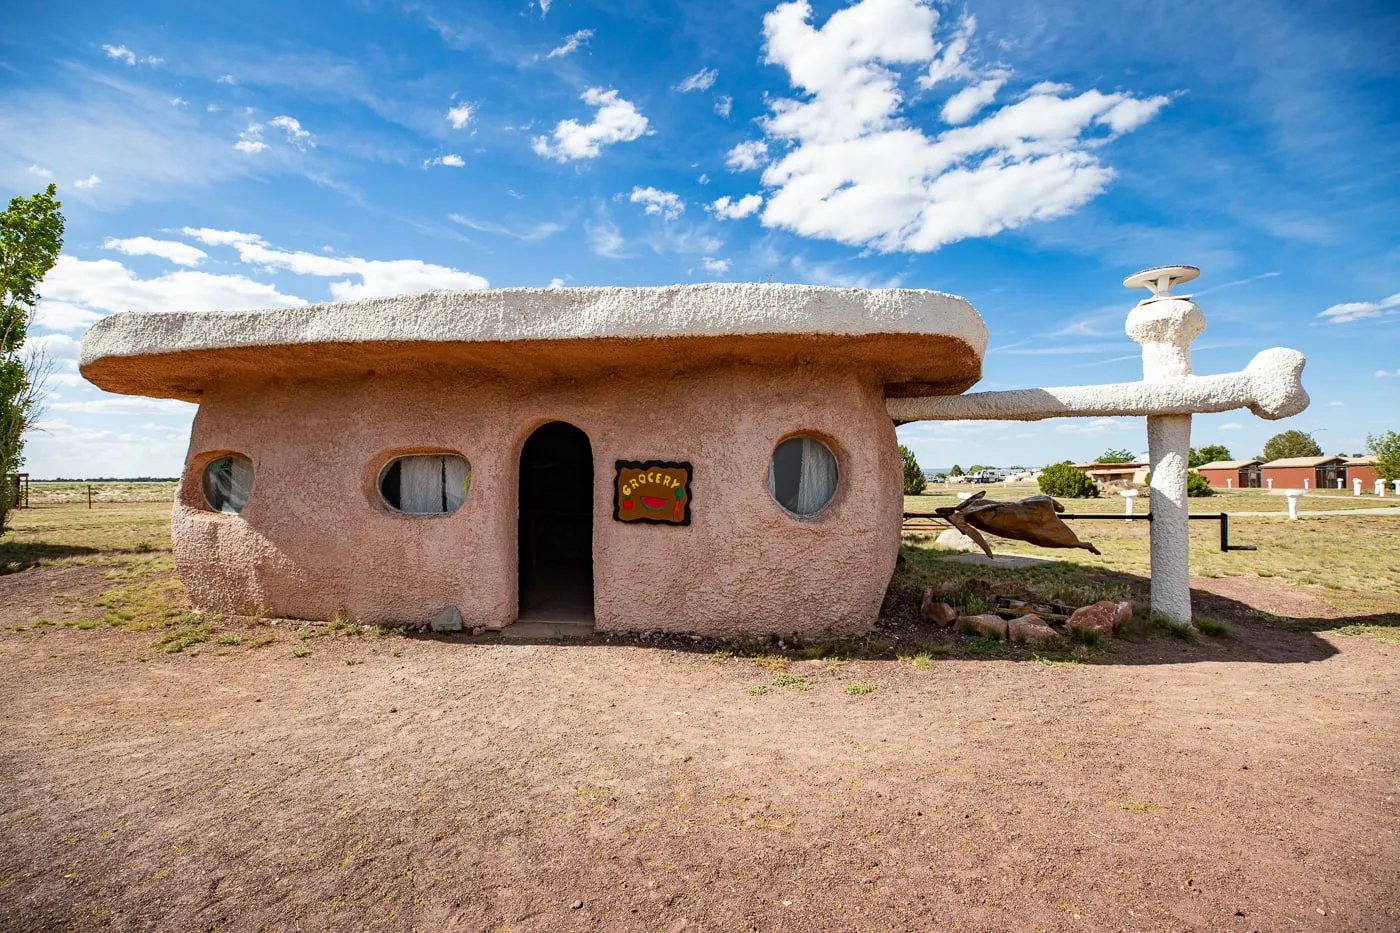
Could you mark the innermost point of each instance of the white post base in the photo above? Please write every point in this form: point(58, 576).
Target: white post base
point(1168, 446)
point(1293, 496)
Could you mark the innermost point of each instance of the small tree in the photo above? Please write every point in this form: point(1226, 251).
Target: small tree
point(1386, 447)
point(955, 471)
point(1116, 456)
point(1062, 479)
point(914, 478)
point(1198, 486)
point(1210, 453)
point(1290, 444)
point(31, 234)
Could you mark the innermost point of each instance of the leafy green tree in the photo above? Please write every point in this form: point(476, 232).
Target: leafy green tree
point(1062, 479)
point(955, 471)
point(914, 478)
point(1210, 453)
point(1386, 447)
point(31, 234)
point(980, 466)
point(1197, 485)
point(1116, 456)
point(1290, 444)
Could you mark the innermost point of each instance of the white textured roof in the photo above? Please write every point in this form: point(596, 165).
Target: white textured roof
point(137, 351)
point(1227, 464)
point(1299, 462)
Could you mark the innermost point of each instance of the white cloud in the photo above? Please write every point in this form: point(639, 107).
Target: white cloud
point(459, 116)
point(1230, 426)
point(544, 7)
point(665, 203)
point(1096, 426)
point(226, 79)
point(724, 105)
point(1382, 374)
point(615, 121)
point(53, 346)
point(452, 160)
point(250, 140)
point(555, 282)
point(1334, 404)
point(182, 254)
point(120, 53)
point(297, 136)
point(715, 266)
point(702, 80)
point(965, 104)
point(856, 171)
point(605, 239)
point(92, 181)
point(178, 102)
point(123, 54)
point(40, 171)
point(527, 233)
point(120, 404)
point(378, 278)
point(747, 155)
point(105, 286)
point(571, 44)
point(728, 209)
point(1361, 310)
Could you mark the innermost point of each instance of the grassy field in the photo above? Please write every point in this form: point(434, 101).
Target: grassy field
point(52, 493)
point(1227, 500)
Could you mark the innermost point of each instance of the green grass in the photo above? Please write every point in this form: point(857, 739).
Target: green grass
point(301, 651)
point(177, 640)
point(983, 645)
point(859, 688)
point(1212, 627)
point(795, 681)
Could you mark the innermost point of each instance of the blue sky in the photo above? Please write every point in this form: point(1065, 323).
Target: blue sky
point(1022, 154)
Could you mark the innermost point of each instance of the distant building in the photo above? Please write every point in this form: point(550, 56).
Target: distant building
point(1364, 469)
point(1116, 473)
point(1232, 474)
point(1305, 472)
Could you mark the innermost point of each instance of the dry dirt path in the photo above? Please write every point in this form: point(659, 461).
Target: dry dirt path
point(1245, 784)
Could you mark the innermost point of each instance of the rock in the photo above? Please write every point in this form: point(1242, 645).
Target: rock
point(1099, 618)
point(577, 905)
point(955, 540)
point(939, 613)
point(478, 630)
point(448, 620)
point(1125, 613)
point(994, 626)
point(1030, 628)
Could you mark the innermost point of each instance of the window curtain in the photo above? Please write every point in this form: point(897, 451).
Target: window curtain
point(420, 484)
point(228, 482)
point(455, 473)
point(818, 482)
point(808, 481)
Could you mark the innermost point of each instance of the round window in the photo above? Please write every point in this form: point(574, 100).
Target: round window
point(227, 483)
point(802, 475)
point(431, 484)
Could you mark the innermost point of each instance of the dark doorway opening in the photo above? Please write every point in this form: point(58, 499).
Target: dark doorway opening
point(556, 525)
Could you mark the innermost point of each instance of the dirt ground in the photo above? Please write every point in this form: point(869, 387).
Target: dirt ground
point(444, 784)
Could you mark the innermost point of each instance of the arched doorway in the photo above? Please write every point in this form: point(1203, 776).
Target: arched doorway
point(556, 525)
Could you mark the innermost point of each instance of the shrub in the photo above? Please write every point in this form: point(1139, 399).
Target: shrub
point(1198, 486)
point(914, 479)
point(1063, 480)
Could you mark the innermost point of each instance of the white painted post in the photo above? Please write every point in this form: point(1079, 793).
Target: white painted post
point(1339, 483)
point(1380, 488)
point(1293, 496)
point(1164, 327)
point(1305, 485)
point(1270, 481)
point(1397, 486)
point(1356, 486)
point(1128, 496)
point(1229, 483)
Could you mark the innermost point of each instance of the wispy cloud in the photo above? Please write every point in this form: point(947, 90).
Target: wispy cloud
point(123, 54)
point(527, 233)
point(702, 80)
point(571, 43)
point(1360, 310)
point(1238, 282)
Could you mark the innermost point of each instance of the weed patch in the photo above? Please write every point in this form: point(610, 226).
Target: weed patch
point(795, 681)
point(179, 639)
point(859, 688)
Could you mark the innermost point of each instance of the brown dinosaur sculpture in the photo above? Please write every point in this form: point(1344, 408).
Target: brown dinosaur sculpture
point(1034, 520)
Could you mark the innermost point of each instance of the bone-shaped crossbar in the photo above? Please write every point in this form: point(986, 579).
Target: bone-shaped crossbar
point(1271, 386)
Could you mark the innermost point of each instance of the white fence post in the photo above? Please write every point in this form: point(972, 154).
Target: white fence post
point(1293, 496)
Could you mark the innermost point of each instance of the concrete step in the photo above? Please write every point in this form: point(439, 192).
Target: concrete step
point(544, 630)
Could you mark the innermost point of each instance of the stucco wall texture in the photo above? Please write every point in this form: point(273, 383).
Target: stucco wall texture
point(315, 537)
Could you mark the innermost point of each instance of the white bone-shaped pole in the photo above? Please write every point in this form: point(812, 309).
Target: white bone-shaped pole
point(1271, 386)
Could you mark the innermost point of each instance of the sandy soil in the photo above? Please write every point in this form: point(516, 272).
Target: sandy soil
point(1242, 784)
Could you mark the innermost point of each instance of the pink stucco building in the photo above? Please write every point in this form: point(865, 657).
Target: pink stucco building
point(711, 458)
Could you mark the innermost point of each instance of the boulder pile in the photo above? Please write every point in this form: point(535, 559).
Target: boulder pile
point(1024, 621)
